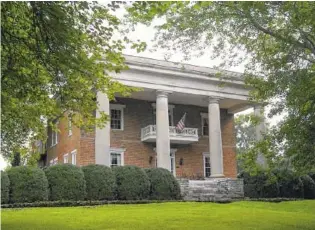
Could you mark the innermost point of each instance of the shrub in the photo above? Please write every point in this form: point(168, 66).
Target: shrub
point(27, 184)
point(5, 187)
point(100, 182)
point(290, 185)
point(66, 182)
point(132, 183)
point(260, 185)
point(164, 186)
point(309, 187)
point(312, 175)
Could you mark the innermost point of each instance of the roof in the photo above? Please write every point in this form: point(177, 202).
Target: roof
point(181, 67)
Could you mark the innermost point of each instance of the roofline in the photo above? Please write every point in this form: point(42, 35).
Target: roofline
point(181, 67)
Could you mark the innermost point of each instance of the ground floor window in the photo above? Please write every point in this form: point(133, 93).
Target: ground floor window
point(74, 157)
point(116, 157)
point(206, 164)
point(66, 158)
point(53, 161)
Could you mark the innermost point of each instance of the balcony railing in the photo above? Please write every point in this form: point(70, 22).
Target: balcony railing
point(188, 135)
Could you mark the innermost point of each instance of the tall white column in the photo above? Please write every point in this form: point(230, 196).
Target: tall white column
point(102, 136)
point(215, 140)
point(260, 130)
point(162, 131)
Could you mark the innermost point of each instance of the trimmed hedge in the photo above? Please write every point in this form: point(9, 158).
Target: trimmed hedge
point(259, 186)
point(72, 203)
point(27, 184)
point(290, 185)
point(66, 182)
point(309, 187)
point(132, 183)
point(5, 188)
point(164, 186)
point(100, 182)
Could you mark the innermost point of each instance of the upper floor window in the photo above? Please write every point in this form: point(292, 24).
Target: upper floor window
point(69, 126)
point(170, 114)
point(117, 116)
point(204, 124)
point(116, 157)
point(74, 157)
point(54, 135)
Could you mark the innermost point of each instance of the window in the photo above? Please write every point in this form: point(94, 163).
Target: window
point(74, 157)
point(66, 158)
point(206, 164)
point(53, 161)
point(170, 114)
point(173, 168)
point(54, 138)
point(116, 157)
point(204, 124)
point(69, 126)
point(117, 117)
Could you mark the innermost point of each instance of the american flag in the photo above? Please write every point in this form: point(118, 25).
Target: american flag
point(181, 124)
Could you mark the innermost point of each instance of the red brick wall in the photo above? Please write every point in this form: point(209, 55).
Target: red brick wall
point(66, 143)
point(139, 114)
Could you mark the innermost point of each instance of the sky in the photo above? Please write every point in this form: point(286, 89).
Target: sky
point(146, 34)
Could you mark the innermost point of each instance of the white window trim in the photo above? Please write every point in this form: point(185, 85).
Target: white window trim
point(56, 132)
point(204, 155)
point(74, 153)
point(66, 156)
point(51, 162)
point(121, 108)
point(118, 151)
point(204, 116)
point(170, 108)
point(69, 126)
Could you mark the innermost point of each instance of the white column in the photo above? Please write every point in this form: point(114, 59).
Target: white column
point(260, 130)
point(215, 140)
point(102, 136)
point(162, 131)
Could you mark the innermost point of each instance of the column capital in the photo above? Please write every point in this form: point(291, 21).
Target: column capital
point(214, 100)
point(162, 93)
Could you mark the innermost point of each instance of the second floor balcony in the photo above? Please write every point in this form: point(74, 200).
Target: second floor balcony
point(187, 136)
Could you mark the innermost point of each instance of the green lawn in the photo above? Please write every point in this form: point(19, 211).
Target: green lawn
point(238, 215)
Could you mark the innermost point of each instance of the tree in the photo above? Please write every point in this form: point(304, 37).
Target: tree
point(277, 41)
point(55, 56)
point(245, 136)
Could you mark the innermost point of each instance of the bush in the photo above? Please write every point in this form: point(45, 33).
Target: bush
point(5, 187)
point(164, 186)
point(66, 182)
point(132, 183)
point(312, 175)
point(100, 182)
point(290, 185)
point(309, 187)
point(259, 186)
point(27, 184)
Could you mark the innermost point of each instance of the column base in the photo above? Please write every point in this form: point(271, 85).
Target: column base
point(217, 176)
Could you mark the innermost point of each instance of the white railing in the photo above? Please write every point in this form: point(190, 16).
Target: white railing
point(150, 131)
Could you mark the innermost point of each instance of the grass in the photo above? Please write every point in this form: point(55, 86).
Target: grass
point(160, 216)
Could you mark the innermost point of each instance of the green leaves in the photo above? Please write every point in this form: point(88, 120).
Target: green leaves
point(54, 55)
point(277, 40)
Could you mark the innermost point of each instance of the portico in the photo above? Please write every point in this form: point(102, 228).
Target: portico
point(167, 87)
